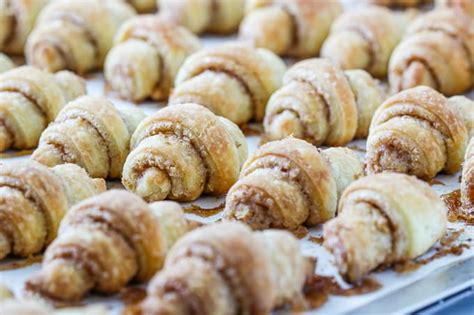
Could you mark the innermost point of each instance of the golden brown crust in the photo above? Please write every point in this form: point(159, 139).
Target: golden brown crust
point(183, 151)
point(89, 132)
point(219, 17)
point(416, 132)
point(17, 19)
point(75, 35)
point(33, 200)
point(304, 25)
point(322, 104)
point(148, 53)
point(233, 80)
point(382, 219)
point(226, 269)
point(288, 183)
point(437, 51)
point(103, 243)
point(144, 6)
point(29, 100)
point(365, 39)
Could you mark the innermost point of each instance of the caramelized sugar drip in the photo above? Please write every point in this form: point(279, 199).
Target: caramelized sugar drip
point(204, 212)
point(300, 232)
point(317, 239)
point(456, 212)
point(132, 295)
point(448, 245)
point(434, 181)
point(251, 130)
point(21, 263)
point(318, 289)
point(12, 154)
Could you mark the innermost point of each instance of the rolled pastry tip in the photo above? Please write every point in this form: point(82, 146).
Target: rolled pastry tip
point(59, 41)
point(115, 237)
point(17, 19)
point(29, 100)
point(467, 182)
point(91, 133)
point(148, 52)
point(466, 6)
point(219, 17)
point(290, 28)
point(183, 151)
point(416, 132)
point(34, 201)
point(322, 104)
point(232, 80)
point(288, 183)
point(383, 219)
point(267, 270)
point(5, 63)
point(437, 51)
point(365, 39)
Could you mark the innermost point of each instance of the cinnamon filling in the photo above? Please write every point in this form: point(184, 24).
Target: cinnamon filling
point(428, 67)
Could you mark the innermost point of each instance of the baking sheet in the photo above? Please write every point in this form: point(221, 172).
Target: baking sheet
point(391, 281)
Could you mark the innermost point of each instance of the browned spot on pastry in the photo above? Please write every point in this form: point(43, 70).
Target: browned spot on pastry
point(17, 264)
point(434, 182)
point(300, 232)
point(204, 212)
point(132, 295)
point(456, 212)
point(316, 239)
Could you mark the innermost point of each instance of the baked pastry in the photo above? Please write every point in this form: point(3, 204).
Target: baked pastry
point(365, 38)
point(464, 5)
point(29, 100)
point(437, 51)
point(225, 268)
point(466, 108)
point(295, 28)
point(144, 6)
point(322, 104)
point(5, 63)
point(467, 182)
point(183, 151)
point(397, 3)
point(232, 80)
point(17, 19)
point(218, 17)
point(288, 183)
point(148, 53)
point(383, 219)
point(417, 132)
point(91, 133)
point(75, 34)
point(105, 242)
point(34, 199)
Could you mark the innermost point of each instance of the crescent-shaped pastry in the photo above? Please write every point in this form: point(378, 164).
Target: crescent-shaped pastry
point(322, 104)
point(383, 219)
point(295, 28)
point(33, 201)
point(148, 53)
point(225, 268)
point(17, 19)
point(290, 182)
point(218, 17)
point(91, 133)
point(75, 35)
point(365, 38)
point(417, 132)
point(31, 98)
point(467, 183)
point(232, 80)
point(105, 242)
point(437, 51)
point(183, 151)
